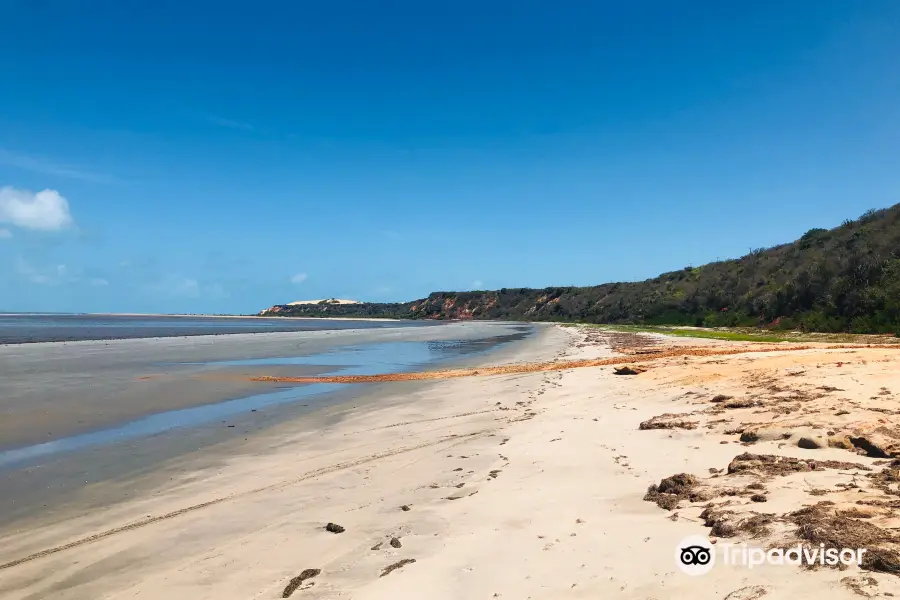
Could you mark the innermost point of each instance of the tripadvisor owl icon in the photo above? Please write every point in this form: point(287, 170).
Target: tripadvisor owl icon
point(695, 555)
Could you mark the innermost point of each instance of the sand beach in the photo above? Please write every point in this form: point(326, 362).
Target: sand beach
point(553, 483)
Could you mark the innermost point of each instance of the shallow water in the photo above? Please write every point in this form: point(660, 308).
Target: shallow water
point(29, 328)
point(364, 359)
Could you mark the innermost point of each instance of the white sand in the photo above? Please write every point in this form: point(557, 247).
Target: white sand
point(564, 517)
point(328, 300)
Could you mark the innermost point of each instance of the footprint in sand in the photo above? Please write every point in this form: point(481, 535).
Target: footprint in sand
point(397, 565)
point(297, 581)
point(751, 592)
point(863, 586)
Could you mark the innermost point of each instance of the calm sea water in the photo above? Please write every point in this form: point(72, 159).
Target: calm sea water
point(365, 359)
point(19, 329)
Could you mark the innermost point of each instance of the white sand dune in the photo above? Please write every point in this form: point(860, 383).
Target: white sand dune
point(328, 300)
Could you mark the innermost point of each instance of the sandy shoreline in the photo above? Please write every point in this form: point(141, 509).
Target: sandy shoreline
point(519, 485)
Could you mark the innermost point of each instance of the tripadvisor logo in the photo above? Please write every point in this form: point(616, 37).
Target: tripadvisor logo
point(695, 555)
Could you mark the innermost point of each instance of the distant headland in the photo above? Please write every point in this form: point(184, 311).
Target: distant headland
point(830, 280)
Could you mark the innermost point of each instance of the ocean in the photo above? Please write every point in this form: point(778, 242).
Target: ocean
point(30, 328)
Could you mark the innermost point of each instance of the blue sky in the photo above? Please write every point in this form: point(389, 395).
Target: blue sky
point(223, 157)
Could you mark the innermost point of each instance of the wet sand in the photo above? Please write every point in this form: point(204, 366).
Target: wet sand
point(53, 390)
point(87, 414)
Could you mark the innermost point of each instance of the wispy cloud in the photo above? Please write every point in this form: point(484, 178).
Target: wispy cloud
point(5, 234)
point(477, 284)
point(177, 286)
point(214, 290)
point(55, 275)
point(46, 166)
point(229, 123)
point(299, 278)
point(46, 210)
point(380, 291)
point(30, 273)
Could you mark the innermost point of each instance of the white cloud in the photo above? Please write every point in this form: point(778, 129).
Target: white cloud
point(46, 210)
point(30, 273)
point(5, 234)
point(45, 276)
point(477, 284)
point(60, 274)
point(299, 278)
point(39, 164)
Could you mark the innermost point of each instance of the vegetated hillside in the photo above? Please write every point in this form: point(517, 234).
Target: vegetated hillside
point(324, 309)
point(842, 279)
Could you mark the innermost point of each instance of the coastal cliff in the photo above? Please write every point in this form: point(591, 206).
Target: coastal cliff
point(841, 279)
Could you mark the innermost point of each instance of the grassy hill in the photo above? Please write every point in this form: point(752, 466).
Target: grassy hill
point(842, 279)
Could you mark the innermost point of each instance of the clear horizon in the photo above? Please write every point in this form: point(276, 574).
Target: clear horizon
point(264, 155)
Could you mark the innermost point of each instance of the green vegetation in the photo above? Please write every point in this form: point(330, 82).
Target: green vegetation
point(749, 334)
point(845, 279)
point(741, 335)
point(364, 310)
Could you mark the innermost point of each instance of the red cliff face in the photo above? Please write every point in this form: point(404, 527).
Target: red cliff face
point(462, 307)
